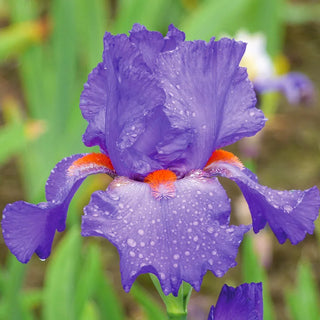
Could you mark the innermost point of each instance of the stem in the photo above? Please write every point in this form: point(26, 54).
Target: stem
point(177, 307)
point(182, 316)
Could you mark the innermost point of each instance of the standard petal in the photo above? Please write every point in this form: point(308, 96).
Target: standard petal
point(29, 228)
point(240, 303)
point(295, 86)
point(290, 214)
point(133, 96)
point(177, 232)
point(93, 101)
point(208, 95)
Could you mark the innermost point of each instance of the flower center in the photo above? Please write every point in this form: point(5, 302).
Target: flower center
point(225, 156)
point(162, 183)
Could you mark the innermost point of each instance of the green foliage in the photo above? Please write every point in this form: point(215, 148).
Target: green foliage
point(303, 301)
point(252, 271)
point(76, 286)
point(153, 311)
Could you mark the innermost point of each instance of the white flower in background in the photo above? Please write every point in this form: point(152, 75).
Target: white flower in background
point(295, 86)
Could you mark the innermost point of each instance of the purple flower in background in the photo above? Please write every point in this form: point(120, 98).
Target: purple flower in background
point(240, 303)
point(296, 87)
point(160, 108)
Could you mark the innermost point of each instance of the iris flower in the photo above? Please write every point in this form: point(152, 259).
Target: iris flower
point(160, 108)
point(240, 303)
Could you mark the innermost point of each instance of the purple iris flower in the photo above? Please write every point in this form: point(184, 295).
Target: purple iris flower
point(160, 108)
point(295, 86)
point(240, 303)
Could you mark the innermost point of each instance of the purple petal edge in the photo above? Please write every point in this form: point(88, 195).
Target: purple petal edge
point(177, 234)
point(290, 214)
point(28, 228)
point(241, 303)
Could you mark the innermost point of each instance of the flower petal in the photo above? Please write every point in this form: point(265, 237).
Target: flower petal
point(92, 104)
point(240, 303)
point(29, 228)
point(133, 96)
point(290, 214)
point(296, 87)
point(209, 95)
point(176, 233)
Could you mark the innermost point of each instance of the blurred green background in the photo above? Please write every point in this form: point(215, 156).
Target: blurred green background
point(47, 49)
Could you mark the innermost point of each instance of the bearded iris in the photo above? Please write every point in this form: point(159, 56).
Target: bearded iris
point(160, 108)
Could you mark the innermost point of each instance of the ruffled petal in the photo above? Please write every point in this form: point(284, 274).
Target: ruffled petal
point(133, 97)
point(93, 101)
point(176, 232)
point(240, 303)
point(290, 214)
point(198, 89)
point(209, 96)
point(29, 228)
point(295, 86)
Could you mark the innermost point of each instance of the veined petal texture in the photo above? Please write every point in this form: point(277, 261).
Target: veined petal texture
point(290, 214)
point(178, 234)
point(159, 102)
point(28, 228)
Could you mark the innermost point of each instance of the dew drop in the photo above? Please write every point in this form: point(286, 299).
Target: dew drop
point(210, 229)
point(131, 243)
point(162, 275)
point(132, 254)
point(287, 208)
point(141, 232)
point(176, 257)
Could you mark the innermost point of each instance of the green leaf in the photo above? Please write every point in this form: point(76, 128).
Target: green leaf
point(90, 312)
point(61, 277)
point(211, 18)
point(304, 301)
point(87, 281)
point(252, 271)
point(106, 298)
point(153, 311)
point(136, 11)
point(13, 137)
point(11, 303)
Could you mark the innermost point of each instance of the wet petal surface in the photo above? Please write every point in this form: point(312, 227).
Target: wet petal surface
point(290, 214)
point(29, 228)
point(177, 233)
point(209, 96)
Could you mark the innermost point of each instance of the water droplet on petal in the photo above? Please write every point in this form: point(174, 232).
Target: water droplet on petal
point(131, 243)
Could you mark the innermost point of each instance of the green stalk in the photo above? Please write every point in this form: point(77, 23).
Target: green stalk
point(177, 307)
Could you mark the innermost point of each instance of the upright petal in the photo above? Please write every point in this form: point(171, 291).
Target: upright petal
point(133, 96)
point(93, 107)
point(209, 96)
point(240, 303)
point(177, 231)
point(29, 228)
point(290, 214)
